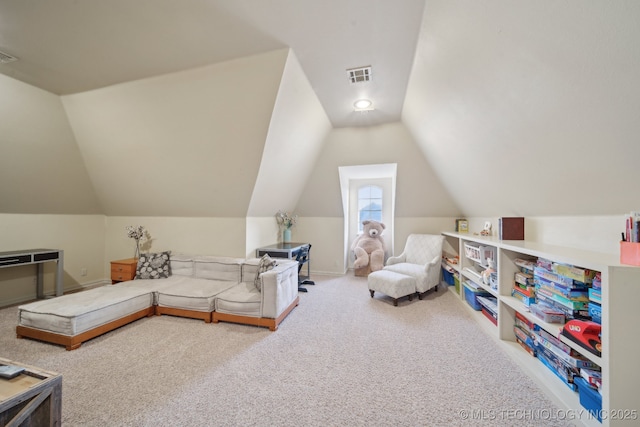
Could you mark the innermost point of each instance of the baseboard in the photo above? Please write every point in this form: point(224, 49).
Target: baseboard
point(85, 286)
point(327, 273)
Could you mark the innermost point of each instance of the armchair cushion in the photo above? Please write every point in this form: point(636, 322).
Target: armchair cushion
point(420, 259)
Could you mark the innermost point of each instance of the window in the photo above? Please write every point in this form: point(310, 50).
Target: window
point(369, 204)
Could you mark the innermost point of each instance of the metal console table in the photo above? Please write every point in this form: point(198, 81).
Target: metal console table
point(37, 256)
point(291, 251)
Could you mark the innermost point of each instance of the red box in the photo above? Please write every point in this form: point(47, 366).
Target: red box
point(511, 228)
point(630, 253)
point(490, 316)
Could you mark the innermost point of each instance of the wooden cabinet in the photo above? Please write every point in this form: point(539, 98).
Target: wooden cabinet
point(123, 270)
point(33, 398)
point(620, 318)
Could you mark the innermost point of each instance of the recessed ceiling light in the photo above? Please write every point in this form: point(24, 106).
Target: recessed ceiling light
point(363, 105)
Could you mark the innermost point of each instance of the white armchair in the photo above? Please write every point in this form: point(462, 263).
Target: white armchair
point(421, 259)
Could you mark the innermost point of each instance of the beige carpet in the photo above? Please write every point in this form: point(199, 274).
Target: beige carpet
point(341, 358)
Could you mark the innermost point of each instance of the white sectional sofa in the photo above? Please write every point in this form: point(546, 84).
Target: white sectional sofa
point(209, 288)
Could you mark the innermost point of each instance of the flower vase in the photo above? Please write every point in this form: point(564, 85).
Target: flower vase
point(286, 235)
point(137, 254)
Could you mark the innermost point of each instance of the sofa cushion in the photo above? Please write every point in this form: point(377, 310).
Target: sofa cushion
point(153, 266)
point(249, 269)
point(243, 299)
point(189, 293)
point(217, 268)
point(266, 263)
point(181, 265)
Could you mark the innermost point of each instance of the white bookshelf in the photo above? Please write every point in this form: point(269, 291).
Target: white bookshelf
point(620, 318)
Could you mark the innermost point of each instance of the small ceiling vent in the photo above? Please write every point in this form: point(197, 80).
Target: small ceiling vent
point(359, 75)
point(5, 58)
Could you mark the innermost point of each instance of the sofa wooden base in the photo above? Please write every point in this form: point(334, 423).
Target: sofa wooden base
point(180, 312)
point(73, 342)
point(272, 324)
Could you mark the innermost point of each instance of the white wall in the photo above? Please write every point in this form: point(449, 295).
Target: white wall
point(196, 236)
point(82, 237)
point(530, 108)
point(41, 168)
point(326, 237)
point(296, 135)
point(183, 144)
point(46, 196)
point(419, 191)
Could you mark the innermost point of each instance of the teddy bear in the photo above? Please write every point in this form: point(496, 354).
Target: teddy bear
point(369, 246)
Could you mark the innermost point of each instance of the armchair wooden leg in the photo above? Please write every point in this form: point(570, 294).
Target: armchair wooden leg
point(410, 297)
point(419, 296)
point(372, 292)
point(395, 302)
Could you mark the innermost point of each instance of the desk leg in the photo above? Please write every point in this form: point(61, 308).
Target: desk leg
point(39, 282)
point(60, 274)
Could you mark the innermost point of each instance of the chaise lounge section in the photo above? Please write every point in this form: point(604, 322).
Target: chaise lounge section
point(71, 319)
point(196, 288)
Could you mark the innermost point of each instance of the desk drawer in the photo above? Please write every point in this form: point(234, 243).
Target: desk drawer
point(273, 254)
point(46, 256)
point(12, 260)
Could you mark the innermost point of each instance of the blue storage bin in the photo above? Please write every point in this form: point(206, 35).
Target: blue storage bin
point(448, 277)
point(590, 399)
point(470, 295)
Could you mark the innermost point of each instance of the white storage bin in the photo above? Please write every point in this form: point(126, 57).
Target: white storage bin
point(480, 254)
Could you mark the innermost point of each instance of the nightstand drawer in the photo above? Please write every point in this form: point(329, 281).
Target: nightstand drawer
point(123, 270)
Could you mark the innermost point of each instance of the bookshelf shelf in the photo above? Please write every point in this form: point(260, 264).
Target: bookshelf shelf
point(620, 317)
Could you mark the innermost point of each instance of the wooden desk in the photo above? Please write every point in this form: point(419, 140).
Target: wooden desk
point(37, 256)
point(33, 398)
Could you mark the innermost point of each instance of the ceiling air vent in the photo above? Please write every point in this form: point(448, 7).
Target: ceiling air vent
point(5, 58)
point(358, 75)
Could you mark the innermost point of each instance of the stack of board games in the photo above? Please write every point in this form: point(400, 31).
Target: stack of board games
point(523, 285)
point(525, 332)
point(561, 359)
point(489, 307)
point(563, 287)
point(595, 299)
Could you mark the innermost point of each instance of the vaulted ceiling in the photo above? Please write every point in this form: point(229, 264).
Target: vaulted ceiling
point(70, 46)
point(518, 108)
